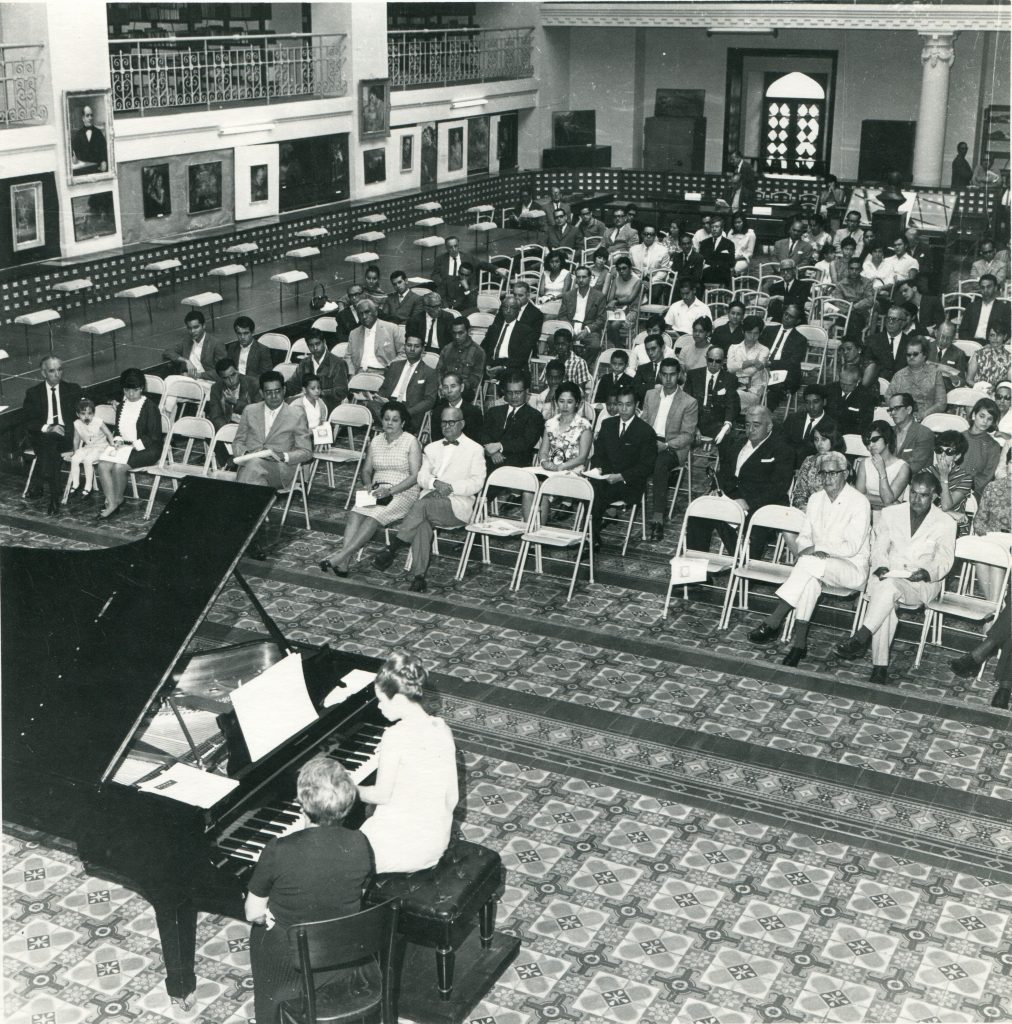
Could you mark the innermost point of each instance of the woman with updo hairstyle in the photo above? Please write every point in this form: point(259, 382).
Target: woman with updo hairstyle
point(312, 874)
point(416, 781)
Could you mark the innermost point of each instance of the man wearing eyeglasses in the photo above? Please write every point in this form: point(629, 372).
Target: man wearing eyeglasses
point(888, 350)
point(985, 309)
point(649, 257)
point(911, 554)
point(989, 263)
point(716, 393)
point(452, 473)
point(921, 379)
point(915, 443)
point(833, 551)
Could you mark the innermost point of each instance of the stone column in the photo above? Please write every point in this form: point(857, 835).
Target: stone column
point(936, 59)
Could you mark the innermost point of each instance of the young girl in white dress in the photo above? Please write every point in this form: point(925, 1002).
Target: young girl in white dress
point(91, 438)
point(416, 782)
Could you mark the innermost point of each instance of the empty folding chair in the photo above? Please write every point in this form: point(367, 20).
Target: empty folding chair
point(364, 386)
point(278, 344)
point(175, 467)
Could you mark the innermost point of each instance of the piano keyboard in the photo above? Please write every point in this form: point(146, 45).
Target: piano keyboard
point(246, 838)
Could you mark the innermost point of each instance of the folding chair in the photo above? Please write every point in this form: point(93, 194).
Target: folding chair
point(225, 435)
point(297, 486)
point(817, 350)
point(180, 392)
point(718, 299)
point(298, 351)
point(276, 343)
point(349, 417)
point(365, 385)
point(621, 508)
point(970, 348)
point(190, 428)
point(582, 493)
point(662, 285)
point(960, 602)
point(480, 323)
point(485, 520)
point(154, 386)
point(963, 399)
point(939, 421)
point(744, 283)
point(716, 507)
point(970, 286)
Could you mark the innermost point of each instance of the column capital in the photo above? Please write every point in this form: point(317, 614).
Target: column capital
point(937, 48)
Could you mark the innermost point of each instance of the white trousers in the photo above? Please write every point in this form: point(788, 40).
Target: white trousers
point(803, 588)
point(880, 616)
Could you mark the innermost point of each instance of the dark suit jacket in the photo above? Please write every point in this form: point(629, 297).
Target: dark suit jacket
point(149, 432)
point(418, 327)
point(607, 385)
point(570, 237)
point(423, 388)
point(473, 418)
point(797, 293)
point(918, 447)
point(530, 316)
point(597, 311)
point(791, 355)
point(968, 325)
point(724, 403)
point(792, 432)
point(633, 455)
point(258, 361)
point(399, 310)
point(853, 413)
point(36, 405)
point(94, 152)
point(879, 349)
point(213, 351)
point(930, 312)
point(333, 374)
point(765, 476)
point(688, 268)
point(523, 341)
point(454, 296)
point(441, 266)
point(648, 376)
point(724, 337)
point(346, 323)
point(718, 258)
point(524, 435)
point(220, 410)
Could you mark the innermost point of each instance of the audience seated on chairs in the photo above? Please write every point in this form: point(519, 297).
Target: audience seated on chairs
point(984, 451)
point(952, 361)
point(743, 239)
point(990, 262)
point(556, 209)
point(528, 314)
point(389, 477)
point(969, 665)
point(991, 364)
point(921, 379)
point(895, 269)
point(565, 446)
point(882, 476)
point(860, 293)
point(816, 232)
point(139, 430)
point(930, 312)
point(526, 206)
point(621, 237)
point(586, 309)
point(511, 432)
point(683, 313)
point(787, 347)
point(832, 550)
point(563, 232)
point(590, 226)
point(313, 874)
point(463, 357)
point(718, 256)
point(600, 270)
point(717, 397)
point(411, 381)
point(451, 396)
point(196, 354)
point(826, 268)
point(618, 377)
point(311, 401)
point(375, 343)
point(461, 292)
point(799, 427)
point(544, 400)
point(347, 315)
point(278, 429)
point(650, 256)
point(247, 354)
point(331, 372)
point(915, 443)
point(452, 473)
point(402, 304)
point(433, 325)
point(230, 394)
point(686, 263)
point(748, 363)
point(912, 551)
point(954, 483)
point(693, 357)
point(373, 288)
point(850, 403)
point(851, 229)
point(874, 257)
point(655, 328)
point(446, 264)
point(757, 472)
point(624, 455)
point(789, 290)
point(795, 246)
point(648, 372)
point(91, 438)
point(623, 295)
point(575, 367)
point(826, 437)
point(731, 332)
point(702, 232)
point(851, 353)
point(508, 344)
point(49, 409)
point(673, 415)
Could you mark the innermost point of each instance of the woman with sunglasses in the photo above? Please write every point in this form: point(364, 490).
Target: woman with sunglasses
point(955, 482)
point(883, 476)
point(983, 451)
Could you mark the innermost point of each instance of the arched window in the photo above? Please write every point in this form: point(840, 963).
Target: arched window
point(794, 114)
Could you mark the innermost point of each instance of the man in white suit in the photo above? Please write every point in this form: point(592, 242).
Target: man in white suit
point(279, 430)
point(375, 343)
point(917, 543)
point(452, 473)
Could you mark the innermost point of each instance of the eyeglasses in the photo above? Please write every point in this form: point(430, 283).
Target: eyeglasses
point(896, 408)
point(942, 449)
point(719, 362)
point(830, 472)
point(874, 437)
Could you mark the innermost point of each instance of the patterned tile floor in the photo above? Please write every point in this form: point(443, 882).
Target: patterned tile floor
point(835, 853)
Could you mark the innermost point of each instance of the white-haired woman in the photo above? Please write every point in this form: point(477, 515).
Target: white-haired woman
point(416, 781)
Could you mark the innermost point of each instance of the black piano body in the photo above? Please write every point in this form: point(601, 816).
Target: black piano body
point(97, 646)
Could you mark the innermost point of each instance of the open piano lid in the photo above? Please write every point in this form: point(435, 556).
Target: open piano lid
point(90, 638)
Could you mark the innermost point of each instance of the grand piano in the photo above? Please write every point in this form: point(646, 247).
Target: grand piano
point(109, 681)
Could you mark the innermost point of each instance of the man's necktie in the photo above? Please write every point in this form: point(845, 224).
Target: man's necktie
point(52, 398)
point(709, 384)
point(621, 428)
point(506, 422)
point(778, 344)
point(806, 436)
point(451, 442)
point(453, 266)
point(428, 336)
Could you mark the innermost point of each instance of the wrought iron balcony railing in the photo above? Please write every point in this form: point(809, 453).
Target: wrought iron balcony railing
point(20, 67)
point(428, 58)
point(155, 76)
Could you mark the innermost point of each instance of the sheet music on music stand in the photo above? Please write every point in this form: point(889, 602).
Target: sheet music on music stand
point(932, 212)
point(865, 202)
point(273, 707)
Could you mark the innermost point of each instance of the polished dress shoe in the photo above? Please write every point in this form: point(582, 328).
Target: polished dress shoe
point(656, 531)
point(880, 675)
point(1001, 698)
point(384, 559)
point(851, 648)
point(965, 666)
point(53, 507)
point(763, 635)
point(418, 585)
point(794, 656)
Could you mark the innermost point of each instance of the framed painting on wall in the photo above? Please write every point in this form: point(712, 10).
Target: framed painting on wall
point(87, 121)
point(155, 191)
point(374, 108)
point(430, 153)
point(455, 149)
point(94, 215)
point(28, 222)
point(477, 144)
point(259, 185)
point(375, 166)
point(506, 141)
point(407, 152)
point(204, 187)
point(574, 127)
point(996, 137)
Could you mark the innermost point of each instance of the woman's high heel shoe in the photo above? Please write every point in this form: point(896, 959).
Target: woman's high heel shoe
point(324, 565)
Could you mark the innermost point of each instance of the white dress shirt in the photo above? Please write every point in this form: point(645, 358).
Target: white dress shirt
point(681, 317)
point(402, 384)
point(196, 352)
point(663, 408)
point(502, 349)
point(369, 347)
point(841, 528)
point(982, 321)
point(55, 414)
point(580, 313)
point(244, 351)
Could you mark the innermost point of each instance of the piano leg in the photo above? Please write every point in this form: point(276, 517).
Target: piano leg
point(486, 923)
point(177, 929)
point(445, 958)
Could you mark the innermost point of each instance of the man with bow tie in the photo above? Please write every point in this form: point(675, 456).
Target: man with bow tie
point(452, 474)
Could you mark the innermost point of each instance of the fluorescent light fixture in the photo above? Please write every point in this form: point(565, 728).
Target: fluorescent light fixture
point(462, 104)
point(246, 129)
point(745, 30)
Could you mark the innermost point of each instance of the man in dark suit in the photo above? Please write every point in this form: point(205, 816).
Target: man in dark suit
point(787, 348)
point(230, 395)
point(757, 472)
point(563, 232)
point(411, 381)
point(508, 343)
point(433, 325)
point(648, 374)
point(686, 263)
point(618, 378)
point(971, 326)
point(451, 396)
point(799, 427)
point(624, 455)
point(402, 304)
point(790, 289)
point(49, 412)
point(742, 182)
point(715, 390)
point(850, 404)
point(461, 293)
point(249, 356)
point(732, 332)
point(528, 315)
point(888, 349)
point(446, 265)
point(717, 252)
point(929, 307)
point(512, 431)
point(347, 318)
point(333, 372)
point(556, 209)
point(88, 146)
point(525, 207)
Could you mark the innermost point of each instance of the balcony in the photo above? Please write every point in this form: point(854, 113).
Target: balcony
point(434, 57)
point(158, 76)
point(21, 68)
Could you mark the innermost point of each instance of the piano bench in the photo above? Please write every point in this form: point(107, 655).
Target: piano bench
point(439, 906)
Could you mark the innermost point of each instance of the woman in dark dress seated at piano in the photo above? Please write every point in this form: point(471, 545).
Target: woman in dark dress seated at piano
point(314, 874)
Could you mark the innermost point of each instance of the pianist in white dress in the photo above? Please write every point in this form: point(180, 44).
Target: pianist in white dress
point(416, 780)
